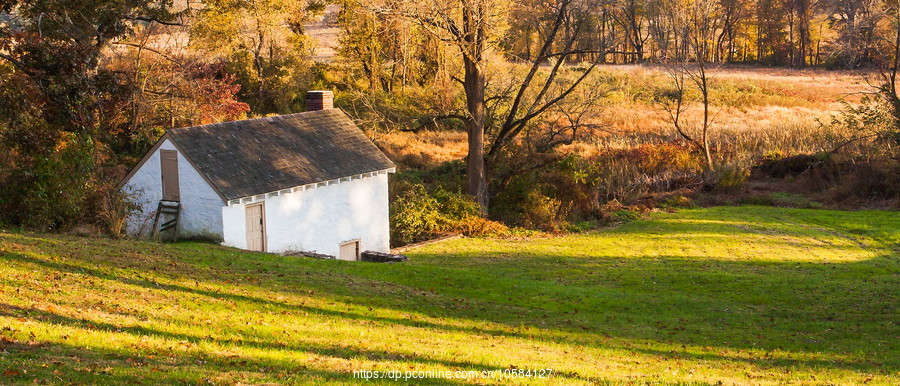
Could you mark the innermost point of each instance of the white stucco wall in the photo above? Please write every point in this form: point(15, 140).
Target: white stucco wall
point(201, 207)
point(320, 219)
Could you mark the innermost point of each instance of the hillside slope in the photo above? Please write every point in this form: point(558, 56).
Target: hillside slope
point(737, 294)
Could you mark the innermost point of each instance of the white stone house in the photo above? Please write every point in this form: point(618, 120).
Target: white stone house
point(308, 182)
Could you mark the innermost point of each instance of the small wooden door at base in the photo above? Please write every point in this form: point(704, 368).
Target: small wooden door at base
point(350, 251)
point(256, 234)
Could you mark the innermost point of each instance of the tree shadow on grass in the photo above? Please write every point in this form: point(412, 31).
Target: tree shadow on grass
point(810, 305)
point(795, 306)
point(152, 285)
point(678, 289)
point(64, 363)
point(126, 358)
point(585, 327)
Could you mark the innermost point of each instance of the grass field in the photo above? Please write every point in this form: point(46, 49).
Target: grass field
point(738, 295)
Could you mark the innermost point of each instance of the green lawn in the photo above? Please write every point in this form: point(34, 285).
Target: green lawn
point(747, 295)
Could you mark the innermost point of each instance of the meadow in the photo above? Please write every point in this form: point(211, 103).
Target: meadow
point(723, 295)
point(754, 111)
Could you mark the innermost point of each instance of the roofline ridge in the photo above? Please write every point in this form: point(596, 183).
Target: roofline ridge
point(253, 119)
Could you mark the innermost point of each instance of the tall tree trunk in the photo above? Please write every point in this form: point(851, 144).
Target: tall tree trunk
point(803, 10)
point(704, 89)
point(477, 173)
point(890, 90)
point(792, 54)
point(474, 85)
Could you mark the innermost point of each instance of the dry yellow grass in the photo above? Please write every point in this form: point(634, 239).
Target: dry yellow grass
point(423, 149)
point(771, 109)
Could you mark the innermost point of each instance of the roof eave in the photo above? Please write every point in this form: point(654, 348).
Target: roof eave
point(309, 186)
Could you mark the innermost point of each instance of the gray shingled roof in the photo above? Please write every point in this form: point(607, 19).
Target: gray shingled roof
point(245, 158)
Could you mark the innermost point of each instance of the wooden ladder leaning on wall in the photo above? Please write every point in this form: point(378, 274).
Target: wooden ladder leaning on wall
point(167, 207)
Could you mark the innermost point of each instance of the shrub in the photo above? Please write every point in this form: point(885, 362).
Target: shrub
point(780, 167)
point(473, 225)
point(537, 201)
point(628, 174)
point(506, 206)
point(47, 191)
point(677, 201)
point(626, 215)
point(868, 181)
point(730, 177)
point(415, 216)
point(541, 212)
point(418, 214)
point(114, 207)
point(573, 188)
point(455, 207)
point(613, 212)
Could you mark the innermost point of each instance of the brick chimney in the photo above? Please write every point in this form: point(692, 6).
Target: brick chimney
point(319, 100)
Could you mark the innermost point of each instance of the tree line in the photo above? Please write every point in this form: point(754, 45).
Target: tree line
point(87, 87)
point(837, 33)
point(834, 33)
point(558, 43)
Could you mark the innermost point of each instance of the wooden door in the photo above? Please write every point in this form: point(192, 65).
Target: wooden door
point(349, 251)
point(169, 164)
point(256, 227)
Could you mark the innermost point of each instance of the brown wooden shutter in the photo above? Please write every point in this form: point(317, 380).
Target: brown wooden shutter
point(169, 164)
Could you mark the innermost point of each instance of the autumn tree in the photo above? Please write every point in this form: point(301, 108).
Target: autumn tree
point(59, 102)
point(887, 92)
point(663, 29)
point(631, 16)
point(692, 69)
point(86, 88)
point(263, 44)
point(733, 13)
point(390, 50)
point(856, 23)
point(875, 119)
point(801, 16)
point(473, 27)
